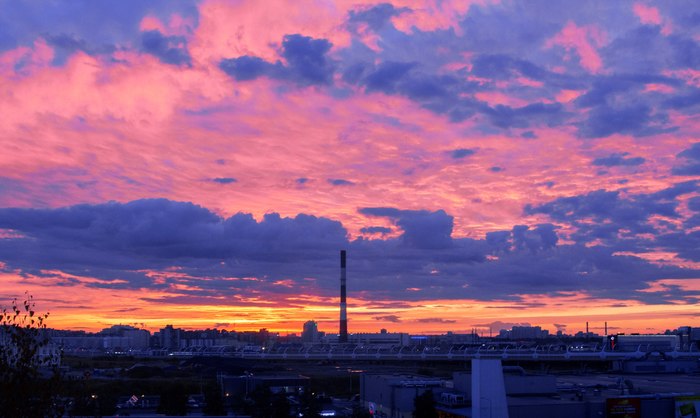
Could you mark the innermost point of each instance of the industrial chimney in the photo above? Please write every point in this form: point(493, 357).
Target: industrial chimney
point(343, 337)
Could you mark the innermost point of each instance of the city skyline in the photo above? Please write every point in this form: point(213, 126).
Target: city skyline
point(483, 164)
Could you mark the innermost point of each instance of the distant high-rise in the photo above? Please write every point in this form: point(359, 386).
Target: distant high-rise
point(310, 332)
point(343, 336)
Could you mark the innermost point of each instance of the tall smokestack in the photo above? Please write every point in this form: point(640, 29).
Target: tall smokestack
point(343, 337)
point(606, 327)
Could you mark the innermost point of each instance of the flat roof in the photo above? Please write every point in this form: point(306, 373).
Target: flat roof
point(645, 383)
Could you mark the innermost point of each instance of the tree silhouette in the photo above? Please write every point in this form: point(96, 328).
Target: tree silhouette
point(214, 401)
point(425, 405)
point(29, 374)
point(173, 400)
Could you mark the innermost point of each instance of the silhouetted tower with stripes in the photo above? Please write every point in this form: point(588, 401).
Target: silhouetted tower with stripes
point(343, 336)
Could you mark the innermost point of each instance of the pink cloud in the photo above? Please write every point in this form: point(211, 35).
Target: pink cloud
point(689, 75)
point(231, 29)
point(151, 23)
point(529, 82)
point(583, 40)
point(649, 15)
point(566, 96)
point(368, 37)
point(496, 98)
point(430, 16)
point(30, 59)
point(175, 26)
point(661, 88)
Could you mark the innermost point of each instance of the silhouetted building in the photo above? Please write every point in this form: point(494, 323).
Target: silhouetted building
point(524, 333)
point(170, 338)
point(310, 333)
point(394, 395)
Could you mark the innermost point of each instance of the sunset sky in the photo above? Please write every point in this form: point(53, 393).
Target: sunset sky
point(484, 163)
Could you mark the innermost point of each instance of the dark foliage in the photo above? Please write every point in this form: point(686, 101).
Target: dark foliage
point(265, 404)
point(173, 400)
point(214, 401)
point(309, 405)
point(29, 374)
point(425, 405)
point(360, 412)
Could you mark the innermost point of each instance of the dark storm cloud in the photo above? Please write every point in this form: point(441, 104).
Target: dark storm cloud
point(618, 159)
point(168, 49)
point(306, 57)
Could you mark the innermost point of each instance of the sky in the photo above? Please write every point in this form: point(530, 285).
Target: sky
point(484, 163)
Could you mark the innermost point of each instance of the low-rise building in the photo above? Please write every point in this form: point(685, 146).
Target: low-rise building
point(393, 396)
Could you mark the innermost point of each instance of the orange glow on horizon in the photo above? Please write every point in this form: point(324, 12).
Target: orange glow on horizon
point(91, 309)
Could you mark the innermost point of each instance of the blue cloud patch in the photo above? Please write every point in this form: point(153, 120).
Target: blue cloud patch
point(94, 25)
point(421, 229)
point(307, 60)
point(168, 49)
point(376, 230)
point(504, 116)
point(618, 159)
point(246, 68)
point(691, 156)
point(386, 76)
point(615, 217)
point(460, 153)
point(127, 241)
point(340, 182)
point(377, 16)
point(307, 63)
point(224, 180)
